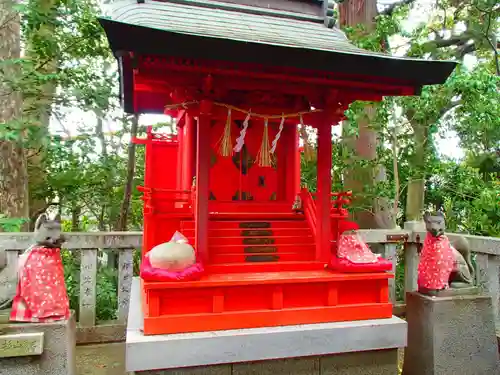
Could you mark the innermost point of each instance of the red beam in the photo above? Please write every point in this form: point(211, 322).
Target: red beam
point(380, 87)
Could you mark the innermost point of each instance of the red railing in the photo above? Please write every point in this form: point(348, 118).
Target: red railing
point(309, 207)
point(338, 209)
point(339, 201)
point(167, 202)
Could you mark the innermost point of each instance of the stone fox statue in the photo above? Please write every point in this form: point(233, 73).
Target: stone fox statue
point(41, 292)
point(47, 234)
point(443, 264)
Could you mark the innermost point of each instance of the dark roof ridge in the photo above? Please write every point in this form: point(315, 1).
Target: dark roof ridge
point(213, 4)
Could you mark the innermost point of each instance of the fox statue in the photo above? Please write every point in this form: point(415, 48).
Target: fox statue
point(41, 292)
point(443, 264)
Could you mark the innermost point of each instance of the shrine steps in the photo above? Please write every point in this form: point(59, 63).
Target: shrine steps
point(261, 273)
point(221, 301)
point(238, 241)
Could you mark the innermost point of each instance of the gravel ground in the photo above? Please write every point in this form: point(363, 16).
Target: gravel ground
point(102, 359)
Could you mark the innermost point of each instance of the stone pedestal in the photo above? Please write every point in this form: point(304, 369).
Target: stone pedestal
point(38, 348)
point(381, 362)
point(368, 347)
point(450, 336)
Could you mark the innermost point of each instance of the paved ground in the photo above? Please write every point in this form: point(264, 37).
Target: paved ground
point(102, 359)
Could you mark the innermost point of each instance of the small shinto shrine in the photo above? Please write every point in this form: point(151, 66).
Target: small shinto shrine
point(240, 77)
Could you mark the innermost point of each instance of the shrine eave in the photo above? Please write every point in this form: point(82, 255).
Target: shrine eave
point(124, 37)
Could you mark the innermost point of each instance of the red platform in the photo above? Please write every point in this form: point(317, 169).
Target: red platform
point(264, 299)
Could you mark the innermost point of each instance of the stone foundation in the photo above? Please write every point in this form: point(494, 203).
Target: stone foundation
point(54, 354)
point(368, 347)
point(382, 362)
point(450, 336)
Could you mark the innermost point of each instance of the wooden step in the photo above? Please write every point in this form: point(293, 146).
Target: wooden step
point(255, 215)
point(262, 257)
point(259, 240)
point(249, 224)
point(264, 267)
point(238, 232)
point(299, 247)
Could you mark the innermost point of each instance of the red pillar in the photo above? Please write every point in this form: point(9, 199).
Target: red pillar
point(180, 158)
point(296, 154)
point(187, 152)
point(202, 180)
point(323, 204)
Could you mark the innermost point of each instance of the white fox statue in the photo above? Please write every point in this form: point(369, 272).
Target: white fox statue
point(174, 255)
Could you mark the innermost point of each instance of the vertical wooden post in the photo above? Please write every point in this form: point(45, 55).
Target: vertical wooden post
point(180, 158)
point(296, 154)
point(323, 204)
point(188, 152)
point(289, 155)
point(202, 179)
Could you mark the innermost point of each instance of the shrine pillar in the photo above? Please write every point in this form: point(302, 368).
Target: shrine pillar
point(296, 156)
point(188, 149)
point(324, 187)
point(202, 180)
point(180, 157)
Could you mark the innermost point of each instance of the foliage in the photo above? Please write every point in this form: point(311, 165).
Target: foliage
point(9, 224)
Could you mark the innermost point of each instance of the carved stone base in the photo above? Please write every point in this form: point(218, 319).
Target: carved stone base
point(451, 292)
point(450, 335)
point(38, 348)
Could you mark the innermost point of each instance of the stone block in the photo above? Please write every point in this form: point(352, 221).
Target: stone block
point(21, 344)
point(295, 366)
point(205, 370)
point(450, 336)
point(380, 362)
point(57, 357)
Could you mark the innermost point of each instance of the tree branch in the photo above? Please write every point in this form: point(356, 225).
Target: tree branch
point(453, 41)
point(449, 107)
point(391, 8)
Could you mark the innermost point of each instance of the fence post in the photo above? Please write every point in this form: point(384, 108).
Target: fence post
point(411, 257)
point(390, 254)
point(88, 286)
point(487, 278)
point(125, 274)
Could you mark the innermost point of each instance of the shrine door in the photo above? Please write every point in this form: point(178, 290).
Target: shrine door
point(239, 178)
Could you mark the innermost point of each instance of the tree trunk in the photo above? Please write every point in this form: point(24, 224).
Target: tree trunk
point(125, 206)
point(359, 179)
point(37, 107)
point(14, 201)
point(415, 204)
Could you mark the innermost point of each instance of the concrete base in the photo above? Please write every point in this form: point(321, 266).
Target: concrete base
point(383, 362)
point(450, 336)
point(57, 354)
point(361, 347)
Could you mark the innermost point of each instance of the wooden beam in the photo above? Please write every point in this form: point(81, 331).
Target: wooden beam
point(320, 78)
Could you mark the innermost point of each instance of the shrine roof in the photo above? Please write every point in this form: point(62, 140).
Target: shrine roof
point(233, 32)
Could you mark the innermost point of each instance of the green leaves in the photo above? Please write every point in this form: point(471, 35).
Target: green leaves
point(11, 224)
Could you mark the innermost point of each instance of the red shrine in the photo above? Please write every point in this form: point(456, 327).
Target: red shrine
point(209, 64)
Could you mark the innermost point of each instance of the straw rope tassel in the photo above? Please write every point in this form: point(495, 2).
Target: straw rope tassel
point(264, 157)
point(225, 144)
point(308, 152)
point(278, 135)
point(240, 141)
